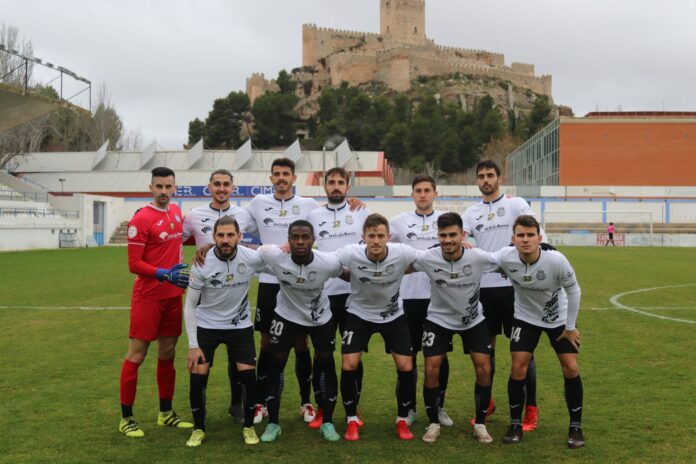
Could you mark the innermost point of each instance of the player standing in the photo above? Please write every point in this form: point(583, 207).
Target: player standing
point(302, 308)
point(273, 213)
point(198, 224)
point(455, 309)
point(490, 223)
point(610, 232)
point(217, 311)
point(547, 299)
point(374, 305)
point(154, 254)
point(418, 229)
point(336, 226)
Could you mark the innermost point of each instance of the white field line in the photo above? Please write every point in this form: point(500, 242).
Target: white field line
point(650, 308)
point(83, 308)
point(615, 301)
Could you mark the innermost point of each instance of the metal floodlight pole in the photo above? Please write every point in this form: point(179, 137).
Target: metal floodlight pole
point(323, 164)
point(62, 181)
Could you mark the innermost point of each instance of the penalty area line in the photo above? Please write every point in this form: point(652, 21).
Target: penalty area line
point(82, 308)
point(615, 301)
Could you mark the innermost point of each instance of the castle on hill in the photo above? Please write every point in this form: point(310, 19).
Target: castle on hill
point(400, 53)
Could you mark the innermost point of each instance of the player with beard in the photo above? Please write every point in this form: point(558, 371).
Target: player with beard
point(490, 224)
point(217, 312)
point(336, 226)
point(198, 224)
point(155, 252)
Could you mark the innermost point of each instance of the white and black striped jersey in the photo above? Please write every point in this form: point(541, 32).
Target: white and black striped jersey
point(302, 299)
point(490, 224)
point(547, 293)
point(420, 232)
point(454, 302)
point(199, 223)
point(334, 227)
point(273, 217)
point(375, 285)
point(223, 286)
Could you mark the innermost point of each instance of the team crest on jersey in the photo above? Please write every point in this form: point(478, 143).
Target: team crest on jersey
point(296, 210)
point(312, 275)
point(389, 269)
point(132, 232)
point(467, 270)
point(336, 224)
point(229, 278)
point(241, 268)
point(349, 220)
point(540, 275)
point(500, 212)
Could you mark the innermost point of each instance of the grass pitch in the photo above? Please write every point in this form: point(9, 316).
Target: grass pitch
point(59, 386)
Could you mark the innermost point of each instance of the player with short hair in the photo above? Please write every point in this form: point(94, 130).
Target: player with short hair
point(302, 308)
point(335, 226)
point(455, 309)
point(490, 224)
point(610, 232)
point(198, 224)
point(154, 254)
point(418, 229)
point(273, 213)
point(547, 299)
point(217, 311)
point(376, 269)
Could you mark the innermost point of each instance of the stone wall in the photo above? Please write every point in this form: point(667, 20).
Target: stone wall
point(403, 21)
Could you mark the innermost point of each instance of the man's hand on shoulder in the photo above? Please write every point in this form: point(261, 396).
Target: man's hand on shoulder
point(199, 258)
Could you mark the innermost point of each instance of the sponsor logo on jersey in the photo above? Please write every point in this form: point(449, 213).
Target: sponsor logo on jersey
point(132, 232)
point(268, 221)
point(229, 278)
point(206, 229)
point(163, 235)
point(479, 227)
point(159, 223)
point(324, 234)
point(411, 235)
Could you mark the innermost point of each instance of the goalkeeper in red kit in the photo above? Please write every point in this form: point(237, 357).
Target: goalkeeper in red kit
point(155, 253)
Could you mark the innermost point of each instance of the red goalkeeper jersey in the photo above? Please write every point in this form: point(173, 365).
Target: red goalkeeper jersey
point(154, 241)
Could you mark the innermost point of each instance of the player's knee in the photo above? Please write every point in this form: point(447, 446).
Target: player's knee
point(349, 363)
point(483, 372)
point(432, 376)
point(265, 343)
point(136, 357)
point(404, 364)
point(301, 343)
point(519, 370)
point(570, 369)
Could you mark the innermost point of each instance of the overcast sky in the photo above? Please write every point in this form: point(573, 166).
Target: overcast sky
point(164, 62)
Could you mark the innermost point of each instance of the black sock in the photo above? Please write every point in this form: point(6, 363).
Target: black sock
point(235, 386)
point(165, 405)
point(530, 382)
point(303, 371)
point(316, 383)
point(328, 382)
point(359, 380)
point(126, 411)
point(349, 391)
point(247, 382)
point(430, 399)
point(482, 397)
point(197, 399)
point(414, 388)
point(444, 379)
point(516, 396)
point(492, 364)
point(262, 375)
point(273, 388)
point(404, 385)
point(573, 397)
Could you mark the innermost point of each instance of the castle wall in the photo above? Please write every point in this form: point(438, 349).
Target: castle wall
point(352, 68)
point(321, 42)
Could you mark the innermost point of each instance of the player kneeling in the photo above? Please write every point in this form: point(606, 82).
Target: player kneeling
point(217, 312)
point(547, 299)
point(455, 274)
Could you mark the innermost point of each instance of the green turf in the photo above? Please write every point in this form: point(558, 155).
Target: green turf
point(59, 386)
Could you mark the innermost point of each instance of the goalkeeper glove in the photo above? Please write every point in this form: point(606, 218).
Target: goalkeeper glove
point(177, 275)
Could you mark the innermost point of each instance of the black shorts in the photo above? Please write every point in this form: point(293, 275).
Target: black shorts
point(357, 333)
point(498, 307)
point(338, 305)
point(283, 332)
point(611, 236)
point(415, 311)
point(525, 337)
point(265, 306)
point(239, 343)
point(437, 340)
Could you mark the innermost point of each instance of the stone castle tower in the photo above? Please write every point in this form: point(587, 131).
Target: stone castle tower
point(400, 53)
point(403, 21)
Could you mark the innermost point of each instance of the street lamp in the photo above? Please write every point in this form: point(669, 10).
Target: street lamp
point(62, 181)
